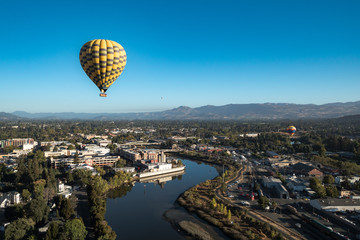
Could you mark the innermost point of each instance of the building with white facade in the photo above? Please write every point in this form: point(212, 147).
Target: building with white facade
point(83, 167)
point(92, 149)
point(64, 190)
point(102, 142)
point(60, 153)
point(18, 152)
point(125, 169)
point(9, 198)
point(352, 180)
point(336, 204)
point(54, 143)
point(29, 146)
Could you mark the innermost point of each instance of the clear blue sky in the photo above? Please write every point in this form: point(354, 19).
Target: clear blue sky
point(188, 52)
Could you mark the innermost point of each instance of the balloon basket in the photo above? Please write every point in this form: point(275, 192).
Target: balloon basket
point(103, 95)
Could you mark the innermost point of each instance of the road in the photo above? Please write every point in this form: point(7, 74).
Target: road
point(82, 209)
point(283, 220)
point(289, 234)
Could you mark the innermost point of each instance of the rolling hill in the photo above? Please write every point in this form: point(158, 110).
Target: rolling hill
point(209, 112)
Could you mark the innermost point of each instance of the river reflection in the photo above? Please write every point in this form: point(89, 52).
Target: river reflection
point(163, 178)
point(120, 192)
point(137, 212)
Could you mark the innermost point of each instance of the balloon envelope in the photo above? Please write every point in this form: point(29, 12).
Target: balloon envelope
point(103, 61)
point(291, 130)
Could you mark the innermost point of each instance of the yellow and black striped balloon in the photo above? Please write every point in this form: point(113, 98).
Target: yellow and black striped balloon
point(103, 61)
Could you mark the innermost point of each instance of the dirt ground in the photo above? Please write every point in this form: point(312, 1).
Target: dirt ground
point(177, 215)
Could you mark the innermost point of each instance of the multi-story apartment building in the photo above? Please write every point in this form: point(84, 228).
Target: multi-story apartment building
point(91, 161)
point(135, 155)
point(16, 142)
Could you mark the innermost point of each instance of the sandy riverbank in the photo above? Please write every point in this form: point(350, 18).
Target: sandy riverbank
point(181, 220)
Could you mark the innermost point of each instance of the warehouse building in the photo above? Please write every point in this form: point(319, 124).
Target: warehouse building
point(336, 204)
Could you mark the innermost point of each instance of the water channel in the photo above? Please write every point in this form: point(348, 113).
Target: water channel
point(137, 212)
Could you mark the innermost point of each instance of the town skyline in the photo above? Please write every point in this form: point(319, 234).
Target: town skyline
point(105, 178)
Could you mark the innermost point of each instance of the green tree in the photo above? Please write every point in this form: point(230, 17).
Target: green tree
point(23, 174)
point(19, 229)
point(32, 237)
point(314, 182)
point(8, 149)
point(328, 179)
point(357, 149)
point(3, 171)
point(76, 157)
point(74, 229)
point(321, 192)
point(82, 176)
point(53, 231)
point(14, 212)
point(66, 209)
point(316, 185)
point(100, 170)
point(274, 205)
point(37, 209)
point(120, 163)
point(25, 194)
point(46, 148)
point(40, 156)
point(263, 201)
point(71, 147)
point(112, 148)
point(331, 191)
point(320, 148)
point(38, 188)
point(104, 231)
point(49, 176)
point(99, 185)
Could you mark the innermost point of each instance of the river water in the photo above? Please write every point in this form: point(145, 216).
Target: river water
point(137, 212)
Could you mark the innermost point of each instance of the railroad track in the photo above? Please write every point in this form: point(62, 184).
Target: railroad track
point(289, 234)
point(309, 230)
point(284, 230)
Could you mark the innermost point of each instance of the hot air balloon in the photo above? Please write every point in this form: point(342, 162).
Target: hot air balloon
point(103, 61)
point(291, 130)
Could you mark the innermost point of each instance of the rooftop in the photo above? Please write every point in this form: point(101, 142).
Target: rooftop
point(339, 202)
point(302, 167)
point(271, 179)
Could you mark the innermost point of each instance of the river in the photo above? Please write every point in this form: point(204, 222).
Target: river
point(137, 212)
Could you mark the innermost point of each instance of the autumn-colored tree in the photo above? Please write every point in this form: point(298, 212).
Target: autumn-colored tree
point(213, 203)
point(229, 215)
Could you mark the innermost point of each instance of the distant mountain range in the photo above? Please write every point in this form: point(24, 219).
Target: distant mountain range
point(230, 111)
point(8, 117)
